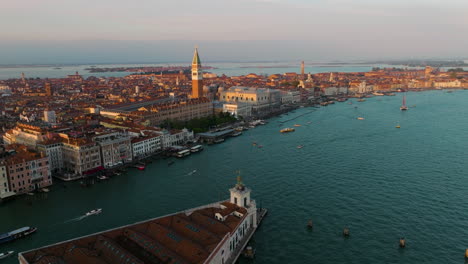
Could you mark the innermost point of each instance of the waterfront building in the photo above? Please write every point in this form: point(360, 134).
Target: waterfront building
point(145, 146)
point(332, 91)
point(214, 233)
point(290, 97)
point(238, 109)
point(261, 99)
point(81, 156)
point(115, 147)
point(447, 83)
point(4, 183)
point(27, 170)
point(197, 76)
point(175, 137)
point(52, 147)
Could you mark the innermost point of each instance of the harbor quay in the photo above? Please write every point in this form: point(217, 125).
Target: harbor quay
point(213, 233)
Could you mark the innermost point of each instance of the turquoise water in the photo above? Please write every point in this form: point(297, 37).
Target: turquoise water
point(380, 181)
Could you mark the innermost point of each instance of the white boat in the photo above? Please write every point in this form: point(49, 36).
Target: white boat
point(300, 146)
point(6, 254)
point(192, 172)
point(94, 212)
point(196, 148)
point(45, 190)
point(102, 177)
point(403, 106)
point(183, 153)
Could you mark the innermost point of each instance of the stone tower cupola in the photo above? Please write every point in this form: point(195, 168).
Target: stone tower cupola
point(240, 195)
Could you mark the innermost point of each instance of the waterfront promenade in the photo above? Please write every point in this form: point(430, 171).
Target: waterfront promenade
point(380, 181)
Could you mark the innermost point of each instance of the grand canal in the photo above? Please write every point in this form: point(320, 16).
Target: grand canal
point(380, 181)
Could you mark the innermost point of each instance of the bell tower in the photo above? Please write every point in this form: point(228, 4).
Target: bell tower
point(240, 195)
point(197, 76)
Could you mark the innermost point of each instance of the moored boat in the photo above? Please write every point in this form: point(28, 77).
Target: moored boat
point(196, 148)
point(15, 234)
point(183, 153)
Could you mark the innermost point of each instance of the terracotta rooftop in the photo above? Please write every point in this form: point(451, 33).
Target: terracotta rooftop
point(177, 238)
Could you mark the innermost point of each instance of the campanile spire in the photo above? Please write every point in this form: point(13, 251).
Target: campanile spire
point(197, 76)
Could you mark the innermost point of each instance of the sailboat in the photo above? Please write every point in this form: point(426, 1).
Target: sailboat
point(403, 106)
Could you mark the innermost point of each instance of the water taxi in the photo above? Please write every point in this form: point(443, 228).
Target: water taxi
point(94, 212)
point(286, 130)
point(397, 126)
point(297, 125)
point(360, 118)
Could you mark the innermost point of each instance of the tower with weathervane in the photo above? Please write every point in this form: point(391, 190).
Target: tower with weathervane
point(240, 196)
point(197, 76)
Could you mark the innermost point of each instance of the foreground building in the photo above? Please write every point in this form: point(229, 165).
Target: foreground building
point(214, 233)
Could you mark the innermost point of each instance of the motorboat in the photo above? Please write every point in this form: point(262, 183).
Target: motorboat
point(300, 146)
point(102, 177)
point(297, 125)
point(6, 254)
point(94, 212)
point(360, 118)
point(286, 130)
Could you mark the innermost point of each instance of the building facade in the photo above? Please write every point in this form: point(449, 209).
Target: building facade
point(81, 157)
point(146, 146)
point(261, 99)
point(27, 170)
point(116, 148)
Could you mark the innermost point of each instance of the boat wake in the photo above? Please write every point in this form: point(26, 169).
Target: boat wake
point(79, 218)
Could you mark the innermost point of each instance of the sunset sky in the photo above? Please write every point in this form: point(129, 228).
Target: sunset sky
point(65, 31)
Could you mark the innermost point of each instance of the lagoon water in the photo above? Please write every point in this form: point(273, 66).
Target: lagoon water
point(230, 69)
point(380, 181)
